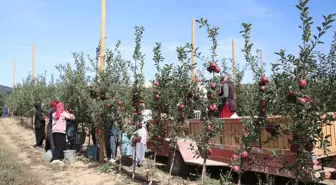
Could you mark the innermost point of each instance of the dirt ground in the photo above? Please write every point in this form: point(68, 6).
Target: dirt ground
point(18, 154)
point(21, 164)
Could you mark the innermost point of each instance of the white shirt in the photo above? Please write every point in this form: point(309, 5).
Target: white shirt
point(143, 134)
point(146, 116)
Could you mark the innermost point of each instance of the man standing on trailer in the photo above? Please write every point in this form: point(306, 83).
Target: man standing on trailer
point(227, 97)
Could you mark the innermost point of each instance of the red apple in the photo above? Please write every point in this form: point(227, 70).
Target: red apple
point(134, 123)
point(157, 84)
point(294, 148)
point(120, 102)
point(291, 93)
point(323, 116)
point(217, 69)
point(307, 98)
point(209, 151)
point(209, 128)
point(264, 79)
point(262, 88)
point(235, 156)
point(302, 83)
point(157, 97)
point(139, 125)
point(108, 106)
point(309, 147)
point(263, 103)
point(159, 137)
point(182, 116)
point(244, 154)
point(302, 100)
point(213, 85)
point(213, 65)
point(181, 106)
point(271, 129)
point(212, 107)
point(235, 168)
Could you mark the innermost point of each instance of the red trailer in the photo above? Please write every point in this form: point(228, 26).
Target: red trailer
point(224, 145)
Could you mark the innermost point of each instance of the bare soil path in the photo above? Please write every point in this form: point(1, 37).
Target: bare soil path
point(16, 142)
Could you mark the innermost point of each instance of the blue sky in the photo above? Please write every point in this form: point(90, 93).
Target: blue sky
point(60, 27)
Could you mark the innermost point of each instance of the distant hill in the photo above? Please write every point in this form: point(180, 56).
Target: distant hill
point(5, 89)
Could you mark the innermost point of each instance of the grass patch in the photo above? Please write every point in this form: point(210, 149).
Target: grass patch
point(11, 171)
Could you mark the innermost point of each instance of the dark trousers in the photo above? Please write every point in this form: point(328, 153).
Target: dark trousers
point(93, 135)
point(111, 144)
point(40, 136)
point(60, 145)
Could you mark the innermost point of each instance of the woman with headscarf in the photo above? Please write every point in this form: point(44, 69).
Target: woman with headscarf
point(227, 97)
point(49, 141)
point(59, 130)
point(39, 125)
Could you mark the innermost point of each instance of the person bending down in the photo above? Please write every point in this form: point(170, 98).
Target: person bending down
point(59, 130)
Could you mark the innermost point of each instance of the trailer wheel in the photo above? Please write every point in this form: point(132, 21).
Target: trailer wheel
point(179, 167)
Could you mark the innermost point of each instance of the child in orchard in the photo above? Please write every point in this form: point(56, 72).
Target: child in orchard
point(59, 130)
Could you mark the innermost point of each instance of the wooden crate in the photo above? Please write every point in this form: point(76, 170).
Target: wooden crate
point(234, 126)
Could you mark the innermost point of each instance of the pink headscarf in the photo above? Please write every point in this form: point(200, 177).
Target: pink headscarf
point(59, 110)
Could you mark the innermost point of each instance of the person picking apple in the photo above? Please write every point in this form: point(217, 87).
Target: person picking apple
point(227, 97)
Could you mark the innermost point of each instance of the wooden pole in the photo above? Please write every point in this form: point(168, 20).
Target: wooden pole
point(14, 74)
point(102, 61)
point(234, 71)
point(102, 36)
point(193, 49)
point(33, 62)
point(234, 61)
point(261, 62)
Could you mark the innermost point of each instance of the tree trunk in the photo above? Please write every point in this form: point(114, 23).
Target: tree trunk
point(120, 157)
point(153, 167)
point(101, 147)
point(90, 129)
point(203, 171)
point(134, 162)
point(172, 164)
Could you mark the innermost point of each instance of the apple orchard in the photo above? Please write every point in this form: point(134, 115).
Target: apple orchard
point(293, 104)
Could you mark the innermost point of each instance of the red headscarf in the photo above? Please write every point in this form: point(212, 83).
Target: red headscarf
point(59, 110)
point(53, 104)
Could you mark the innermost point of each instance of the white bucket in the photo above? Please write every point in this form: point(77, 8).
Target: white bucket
point(48, 156)
point(70, 156)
